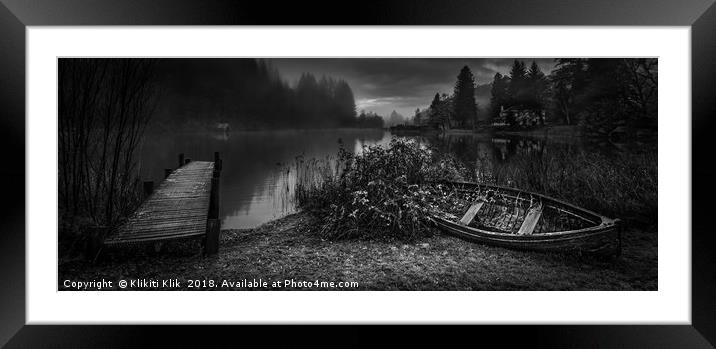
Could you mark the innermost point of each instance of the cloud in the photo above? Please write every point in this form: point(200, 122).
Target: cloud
point(368, 103)
point(402, 84)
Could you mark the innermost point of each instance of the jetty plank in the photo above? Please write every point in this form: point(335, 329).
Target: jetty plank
point(178, 208)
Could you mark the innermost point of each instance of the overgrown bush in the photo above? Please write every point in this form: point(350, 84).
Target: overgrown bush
point(377, 193)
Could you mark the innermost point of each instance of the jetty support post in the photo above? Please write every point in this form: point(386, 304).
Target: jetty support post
point(217, 164)
point(167, 172)
point(181, 159)
point(214, 199)
point(148, 188)
point(95, 238)
point(213, 224)
point(211, 244)
point(215, 184)
point(620, 231)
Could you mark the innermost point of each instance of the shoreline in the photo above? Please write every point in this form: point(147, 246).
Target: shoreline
point(559, 131)
point(288, 249)
point(564, 132)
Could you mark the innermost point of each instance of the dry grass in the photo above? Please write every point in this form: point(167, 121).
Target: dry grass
point(620, 186)
point(288, 249)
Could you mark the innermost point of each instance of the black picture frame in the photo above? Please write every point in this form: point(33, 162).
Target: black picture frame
point(16, 15)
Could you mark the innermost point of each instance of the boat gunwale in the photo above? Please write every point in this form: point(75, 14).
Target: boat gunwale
point(575, 234)
point(605, 224)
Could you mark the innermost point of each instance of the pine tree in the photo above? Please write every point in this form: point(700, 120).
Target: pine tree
point(499, 94)
point(568, 81)
point(435, 111)
point(395, 119)
point(518, 84)
point(465, 108)
point(440, 110)
point(307, 97)
point(537, 87)
point(345, 102)
point(416, 117)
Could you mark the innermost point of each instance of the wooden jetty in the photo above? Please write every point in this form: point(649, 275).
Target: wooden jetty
point(185, 205)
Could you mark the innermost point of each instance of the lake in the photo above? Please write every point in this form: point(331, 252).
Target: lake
point(257, 181)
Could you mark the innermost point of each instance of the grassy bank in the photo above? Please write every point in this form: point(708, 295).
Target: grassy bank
point(385, 192)
point(289, 249)
point(556, 131)
point(621, 186)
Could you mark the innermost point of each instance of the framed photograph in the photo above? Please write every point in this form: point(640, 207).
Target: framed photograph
point(443, 164)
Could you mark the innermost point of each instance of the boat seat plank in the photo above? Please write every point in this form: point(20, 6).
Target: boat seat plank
point(471, 212)
point(531, 218)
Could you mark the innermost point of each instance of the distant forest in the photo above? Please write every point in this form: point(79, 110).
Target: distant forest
point(600, 95)
point(106, 105)
point(249, 94)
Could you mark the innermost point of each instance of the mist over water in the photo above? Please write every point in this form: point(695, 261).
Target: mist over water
point(258, 177)
point(259, 174)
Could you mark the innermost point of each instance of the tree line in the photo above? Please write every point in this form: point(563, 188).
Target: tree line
point(458, 110)
point(597, 94)
point(369, 120)
point(523, 88)
point(602, 94)
point(251, 94)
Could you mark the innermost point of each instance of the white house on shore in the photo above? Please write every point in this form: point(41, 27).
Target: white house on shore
point(222, 126)
point(523, 117)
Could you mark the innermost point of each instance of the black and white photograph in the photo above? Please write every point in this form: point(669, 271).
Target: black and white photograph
point(452, 163)
point(357, 173)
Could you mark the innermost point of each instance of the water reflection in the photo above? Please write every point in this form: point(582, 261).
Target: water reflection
point(258, 180)
point(500, 148)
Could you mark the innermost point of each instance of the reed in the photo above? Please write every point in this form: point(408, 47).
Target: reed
point(620, 185)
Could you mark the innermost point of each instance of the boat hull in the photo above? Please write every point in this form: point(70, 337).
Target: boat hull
point(603, 237)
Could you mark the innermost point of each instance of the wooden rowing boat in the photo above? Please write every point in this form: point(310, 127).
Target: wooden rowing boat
point(520, 219)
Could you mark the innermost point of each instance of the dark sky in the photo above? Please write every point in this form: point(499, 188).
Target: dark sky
point(402, 84)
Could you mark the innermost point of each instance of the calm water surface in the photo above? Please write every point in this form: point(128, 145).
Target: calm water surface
point(257, 182)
